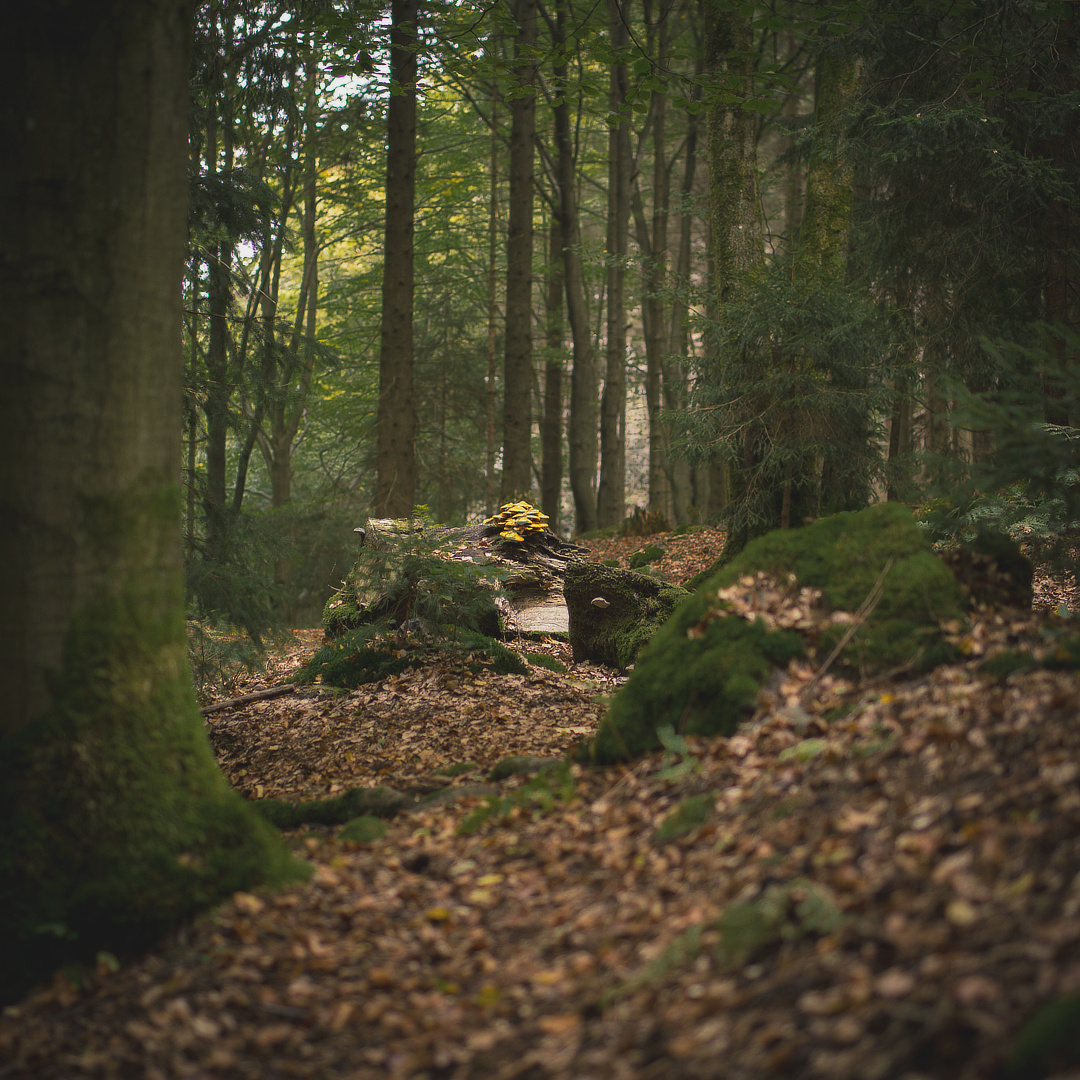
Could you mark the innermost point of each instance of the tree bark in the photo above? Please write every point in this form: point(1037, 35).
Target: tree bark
point(551, 473)
point(585, 379)
point(518, 372)
point(736, 228)
point(490, 387)
point(114, 819)
point(395, 492)
point(611, 494)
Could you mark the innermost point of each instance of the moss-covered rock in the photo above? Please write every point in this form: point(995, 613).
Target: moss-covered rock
point(701, 672)
point(613, 613)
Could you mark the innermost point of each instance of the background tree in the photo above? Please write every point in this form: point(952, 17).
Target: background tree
point(396, 490)
point(518, 370)
point(115, 819)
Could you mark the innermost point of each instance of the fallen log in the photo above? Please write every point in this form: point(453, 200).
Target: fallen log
point(244, 699)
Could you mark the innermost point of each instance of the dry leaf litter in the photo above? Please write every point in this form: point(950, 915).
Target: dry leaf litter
point(888, 893)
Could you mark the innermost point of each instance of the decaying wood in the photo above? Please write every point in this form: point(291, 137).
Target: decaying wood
point(243, 699)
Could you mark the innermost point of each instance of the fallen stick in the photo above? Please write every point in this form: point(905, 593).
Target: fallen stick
point(243, 699)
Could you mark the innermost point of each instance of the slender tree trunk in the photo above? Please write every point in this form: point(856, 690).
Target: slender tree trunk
point(551, 433)
point(218, 380)
point(826, 220)
point(653, 245)
point(585, 378)
point(491, 389)
point(395, 491)
point(822, 253)
point(287, 410)
point(518, 369)
point(1062, 290)
point(736, 228)
point(674, 384)
point(115, 822)
point(611, 494)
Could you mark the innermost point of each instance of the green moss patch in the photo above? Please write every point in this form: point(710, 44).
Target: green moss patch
point(699, 686)
point(116, 821)
point(686, 818)
point(361, 656)
point(356, 802)
point(649, 554)
point(363, 830)
point(843, 556)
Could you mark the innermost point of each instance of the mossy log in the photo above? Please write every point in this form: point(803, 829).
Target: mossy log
point(532, 572)
point(702, 671)
point(613, 612)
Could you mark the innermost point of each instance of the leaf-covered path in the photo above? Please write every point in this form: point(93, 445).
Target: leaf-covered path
point(890, 894)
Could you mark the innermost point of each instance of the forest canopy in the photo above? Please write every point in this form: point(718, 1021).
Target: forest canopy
point(754, 263)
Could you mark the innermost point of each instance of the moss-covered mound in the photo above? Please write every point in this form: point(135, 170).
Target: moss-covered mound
point(361, 657)
point(844, 556)
point(613, 613)
point(701, 672)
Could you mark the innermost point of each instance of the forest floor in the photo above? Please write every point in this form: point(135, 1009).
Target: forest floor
point(889, 895)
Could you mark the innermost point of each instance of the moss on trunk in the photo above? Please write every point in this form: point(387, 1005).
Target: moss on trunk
point(116, 821)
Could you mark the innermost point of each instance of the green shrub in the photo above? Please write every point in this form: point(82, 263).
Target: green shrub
point(416, 581)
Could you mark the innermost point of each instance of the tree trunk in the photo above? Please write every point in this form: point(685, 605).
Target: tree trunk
point(611, 494)
point(736, 233)
point(653, 244)
point(490, 388)
point(518, 373)
point(584, 381)
point(551, 432)
point(115, 822)
point(674, 384)
point(287, 409)
point(395, 492)
point(823, 233)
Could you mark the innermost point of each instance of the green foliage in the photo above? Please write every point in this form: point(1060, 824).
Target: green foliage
point(791, 911)
point(218, 655)
point(360, 656)
point(416, 580)
point(371, 654)
point(679, 760)
point(1030, 485)
point(230, 581)
point(406, 602)
point(787, 398)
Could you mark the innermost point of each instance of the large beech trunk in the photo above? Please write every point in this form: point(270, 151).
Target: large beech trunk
point(114, 819)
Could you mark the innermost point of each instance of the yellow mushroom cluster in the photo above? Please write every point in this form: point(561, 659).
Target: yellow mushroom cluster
point(518, 520)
